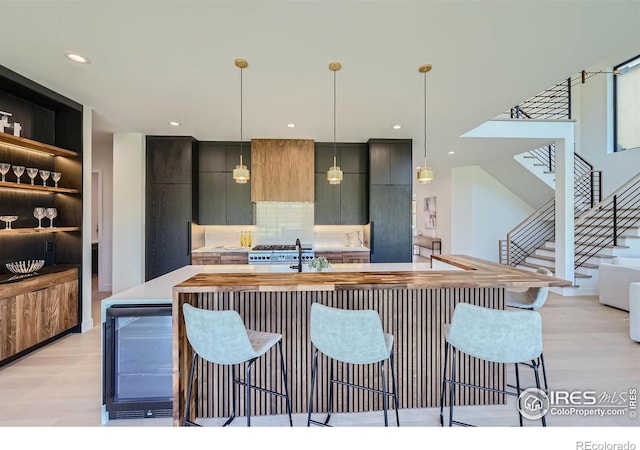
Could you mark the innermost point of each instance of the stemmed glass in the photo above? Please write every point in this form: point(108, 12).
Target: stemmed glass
point(56, 177)
point(44, 174)
point(32, 172)
point(18, 170)
point(4, 169)
point(51, 213)
point(39, 213)
point(7, 220)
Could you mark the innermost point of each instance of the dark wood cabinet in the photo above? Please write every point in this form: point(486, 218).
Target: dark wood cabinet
point(390, 200)
point(221, 200)
point(390, 161)
point(169, 202)
point(345, 203)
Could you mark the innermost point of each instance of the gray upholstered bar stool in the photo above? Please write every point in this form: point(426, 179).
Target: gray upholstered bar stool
point(351, 337)
point(531, 299)
point(508, 337)
point(220, 337)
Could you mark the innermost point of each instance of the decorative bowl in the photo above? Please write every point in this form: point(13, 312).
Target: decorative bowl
point(23, 267)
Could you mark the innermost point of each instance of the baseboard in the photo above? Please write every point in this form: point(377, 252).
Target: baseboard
point(574, 291)
point(86, 325)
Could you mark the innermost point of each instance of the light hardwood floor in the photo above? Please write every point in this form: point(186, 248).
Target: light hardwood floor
point(587, 347)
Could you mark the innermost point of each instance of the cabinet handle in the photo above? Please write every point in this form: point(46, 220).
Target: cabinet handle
point(188, 238)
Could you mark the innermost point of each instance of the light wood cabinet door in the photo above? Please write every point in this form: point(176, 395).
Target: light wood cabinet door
point(332, 257)
point(33, 316)
point(355, 257)
point(282, 170)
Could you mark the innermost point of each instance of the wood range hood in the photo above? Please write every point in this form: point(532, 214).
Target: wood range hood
point(282, 170)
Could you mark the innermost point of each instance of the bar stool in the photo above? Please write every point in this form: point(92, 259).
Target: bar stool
point(351, 337)
point(531, 299)
point(508, 337)
point(220, 337)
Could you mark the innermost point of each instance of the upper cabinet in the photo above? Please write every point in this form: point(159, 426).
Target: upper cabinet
point(390, 162)
point(282, 170)
point(345, 203)
point(221, 200)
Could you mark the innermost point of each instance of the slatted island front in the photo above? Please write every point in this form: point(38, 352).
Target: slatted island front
point(414, 306)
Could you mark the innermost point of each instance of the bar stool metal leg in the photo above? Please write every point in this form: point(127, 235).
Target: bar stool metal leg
point(384, 393)
point(444, 383)
point(395, 391)
point(518, 391)
point(452, 385)
point(284, 382)
point(314, 369)
point(331, 383)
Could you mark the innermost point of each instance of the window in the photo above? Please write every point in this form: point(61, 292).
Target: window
point(626, 108)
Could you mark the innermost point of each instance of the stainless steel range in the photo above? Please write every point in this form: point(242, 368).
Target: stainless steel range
point(280, 254)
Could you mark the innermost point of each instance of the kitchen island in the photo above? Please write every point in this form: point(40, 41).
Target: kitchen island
point(414, 306)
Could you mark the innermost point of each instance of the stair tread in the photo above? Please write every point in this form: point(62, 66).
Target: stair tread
point(550, 258)
point(535, 266)
point(577, 243)
point(606, 235)
point(577, 254)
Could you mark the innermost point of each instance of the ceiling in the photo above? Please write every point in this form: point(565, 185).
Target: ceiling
point(155, 62)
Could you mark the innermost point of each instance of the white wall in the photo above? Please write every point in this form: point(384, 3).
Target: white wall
point(592, 107)
point(128, 211)
point(440, 187)
point(482, 212)
point(103, 163)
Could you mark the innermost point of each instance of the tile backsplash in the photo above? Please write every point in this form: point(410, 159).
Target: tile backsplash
point(280, 223)
point(283, 222)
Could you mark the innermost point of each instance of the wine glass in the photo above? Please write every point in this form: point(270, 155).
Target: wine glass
point(18, 170)
point(51, 213)
point(7, 220)
point(56, 177)
point(4, 169)
point(44, 174)
point(39, 213)
point(32, 172)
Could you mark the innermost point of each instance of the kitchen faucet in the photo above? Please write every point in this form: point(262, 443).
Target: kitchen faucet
point(299, 248)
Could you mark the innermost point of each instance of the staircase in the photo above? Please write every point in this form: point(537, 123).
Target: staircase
point(610, 228)
point(604, 229)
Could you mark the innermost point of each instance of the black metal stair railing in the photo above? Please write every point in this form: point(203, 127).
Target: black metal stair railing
point(530, 234)
point(601, 227)
point(553, 103)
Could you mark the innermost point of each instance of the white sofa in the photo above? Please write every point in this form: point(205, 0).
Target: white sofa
point(634, 311)
point(614, 280)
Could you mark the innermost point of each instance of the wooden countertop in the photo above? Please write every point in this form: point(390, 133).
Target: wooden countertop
point(477, 273)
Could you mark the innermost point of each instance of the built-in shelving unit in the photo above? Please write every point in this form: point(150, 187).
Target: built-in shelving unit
point(36, 187)
point(38, 230)
point(52, 137)
point(35, 146)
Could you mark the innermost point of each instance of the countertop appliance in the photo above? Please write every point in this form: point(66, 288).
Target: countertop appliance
point(280, 254)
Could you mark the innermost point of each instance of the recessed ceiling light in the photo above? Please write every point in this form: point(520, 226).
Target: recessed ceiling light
point(174, 124)
point(77, 58)
point(396, 127)
point(291, 125)
point(451, 153)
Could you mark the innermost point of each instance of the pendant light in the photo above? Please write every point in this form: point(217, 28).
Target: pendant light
point(241, 173)
point(334, 174)
point(425, 174)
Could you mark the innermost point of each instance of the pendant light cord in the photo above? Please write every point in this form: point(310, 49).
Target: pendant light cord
point(425, 120)
point(241, 70)
point(334, 118)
